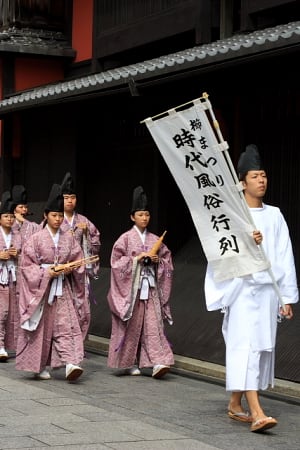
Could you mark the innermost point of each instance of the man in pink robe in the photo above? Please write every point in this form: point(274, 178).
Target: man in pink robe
point(10, 247)
point(85, 232)
point(138, 298)
point(21, 224)
point(54, 309)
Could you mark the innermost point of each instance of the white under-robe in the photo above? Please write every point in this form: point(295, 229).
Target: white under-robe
point(251, 306)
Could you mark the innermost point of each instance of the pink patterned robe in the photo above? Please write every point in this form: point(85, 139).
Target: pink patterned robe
point(89, 244)
point(26, 229)
point(137, 335)
point(9, 313)
point(60, 331)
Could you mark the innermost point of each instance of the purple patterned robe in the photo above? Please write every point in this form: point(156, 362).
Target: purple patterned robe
point(59, 335)
point(9, 313)
point(137, 335)
point(89, 244)
point(26, 229)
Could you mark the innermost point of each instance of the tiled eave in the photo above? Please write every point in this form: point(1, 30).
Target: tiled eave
point(35, 41)
point(35, 49)
point(204, 57)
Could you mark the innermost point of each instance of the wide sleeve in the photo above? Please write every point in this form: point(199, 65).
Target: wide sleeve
point(124, 271)
point(79, 285)
point(165, 272)
point(282, 261)
point(219, 295)
point(33, 281)
point(90, 242)
point(288, 283)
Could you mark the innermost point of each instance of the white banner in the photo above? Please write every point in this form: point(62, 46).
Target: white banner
point(196, 160)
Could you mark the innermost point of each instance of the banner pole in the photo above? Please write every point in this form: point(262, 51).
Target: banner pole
point(236, 180)
point(177, 107)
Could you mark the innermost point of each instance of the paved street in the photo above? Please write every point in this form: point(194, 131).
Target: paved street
point(106, 411)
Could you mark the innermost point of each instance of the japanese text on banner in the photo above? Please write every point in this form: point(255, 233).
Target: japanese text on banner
point(195, 158)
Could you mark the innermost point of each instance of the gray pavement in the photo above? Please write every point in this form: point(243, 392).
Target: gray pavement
point(183, 410)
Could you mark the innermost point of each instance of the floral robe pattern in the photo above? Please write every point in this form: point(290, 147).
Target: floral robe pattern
point(90, 243)
point(26, 229)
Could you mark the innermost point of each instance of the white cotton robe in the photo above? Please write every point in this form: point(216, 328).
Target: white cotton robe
point(251, 306)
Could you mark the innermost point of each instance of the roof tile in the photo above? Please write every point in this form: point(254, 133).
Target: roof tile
point(234, 46)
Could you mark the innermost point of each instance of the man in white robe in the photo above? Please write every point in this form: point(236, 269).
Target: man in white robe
point(250, 304)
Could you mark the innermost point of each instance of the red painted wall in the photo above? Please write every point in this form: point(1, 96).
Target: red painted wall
point(82, 29)
point(30, 73)
point(35, 72)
